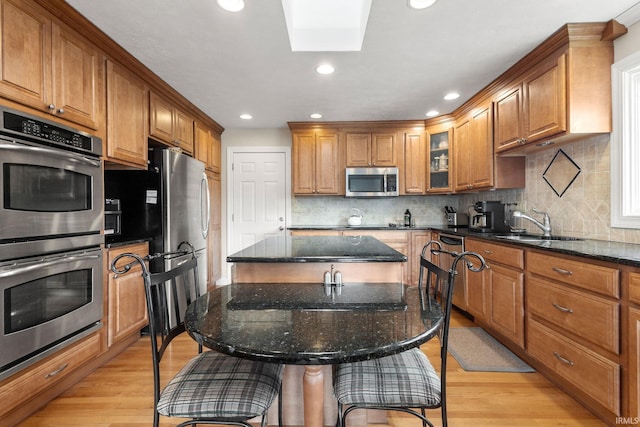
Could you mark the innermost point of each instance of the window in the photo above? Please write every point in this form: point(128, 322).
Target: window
point(625, 143)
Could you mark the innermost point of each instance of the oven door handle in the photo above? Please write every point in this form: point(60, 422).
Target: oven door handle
point(45, 263)
point(52, 152)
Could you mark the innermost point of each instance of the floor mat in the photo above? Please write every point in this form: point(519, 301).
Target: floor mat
point(476, 350)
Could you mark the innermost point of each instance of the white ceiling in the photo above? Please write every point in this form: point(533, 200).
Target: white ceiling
point(228, 63)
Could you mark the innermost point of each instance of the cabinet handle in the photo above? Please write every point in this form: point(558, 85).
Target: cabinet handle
point(60, 110)
point(562, 271)
point(488, 252)
point(57, 371)
point(561, 308)
point(563, 359)
point(51, 107)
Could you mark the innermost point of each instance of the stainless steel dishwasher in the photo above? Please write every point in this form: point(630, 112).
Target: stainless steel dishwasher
point(453, 243)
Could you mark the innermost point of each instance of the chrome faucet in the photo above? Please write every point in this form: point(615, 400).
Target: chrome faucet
point(545, 227)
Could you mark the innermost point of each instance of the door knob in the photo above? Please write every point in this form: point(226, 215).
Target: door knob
point(281, 228)
point(281, 219)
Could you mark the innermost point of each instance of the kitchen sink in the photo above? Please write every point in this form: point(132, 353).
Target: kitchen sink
point(534, 237)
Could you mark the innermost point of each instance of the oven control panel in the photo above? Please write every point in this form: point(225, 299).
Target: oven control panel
point(22, 124)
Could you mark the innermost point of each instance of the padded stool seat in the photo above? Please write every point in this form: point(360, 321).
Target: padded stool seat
point(403, 379)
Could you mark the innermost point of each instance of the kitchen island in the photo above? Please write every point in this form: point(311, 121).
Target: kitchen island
point(289, 260)
point(305, 259)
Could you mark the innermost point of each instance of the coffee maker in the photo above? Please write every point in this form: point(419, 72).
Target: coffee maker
point(488, 217)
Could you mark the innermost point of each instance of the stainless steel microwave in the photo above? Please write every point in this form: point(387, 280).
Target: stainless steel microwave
point(371, 182)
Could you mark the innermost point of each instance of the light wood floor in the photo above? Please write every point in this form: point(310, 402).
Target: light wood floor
point(119, 394)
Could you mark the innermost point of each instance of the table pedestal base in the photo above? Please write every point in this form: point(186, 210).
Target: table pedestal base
point(313, 395)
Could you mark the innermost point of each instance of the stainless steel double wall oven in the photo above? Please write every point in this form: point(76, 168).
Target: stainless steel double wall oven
point(51, 217)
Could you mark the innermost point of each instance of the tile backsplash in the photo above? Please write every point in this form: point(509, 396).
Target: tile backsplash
point(582, 211)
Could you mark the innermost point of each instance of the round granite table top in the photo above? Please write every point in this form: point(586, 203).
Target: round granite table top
point(310, 324)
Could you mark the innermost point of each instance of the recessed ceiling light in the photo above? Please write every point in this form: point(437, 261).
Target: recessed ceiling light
point(421, 4)
point(325, 69)
point(316, 116)
point(451, 96)
point(432, 113)
point(231, 5)
point(246, 116)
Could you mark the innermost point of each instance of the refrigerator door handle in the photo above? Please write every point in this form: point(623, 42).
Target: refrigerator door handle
point(204, 190)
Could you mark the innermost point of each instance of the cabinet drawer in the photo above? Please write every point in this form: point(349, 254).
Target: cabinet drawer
point(24, 385)
point(503, 254)
point(590, 317)
point(634, 287)
point(589, 372)
point(595, 278)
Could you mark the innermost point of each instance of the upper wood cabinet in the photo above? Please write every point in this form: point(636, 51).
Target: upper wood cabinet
point(207, 145)
point(557, 97)
point(169, 124)
point(371, 148)
point(316, 167)
point(439, 162)
point(127, 117)
point(414, 165)
point(473, 150)
point(49, 67)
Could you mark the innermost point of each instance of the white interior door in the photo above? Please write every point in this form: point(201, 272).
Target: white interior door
point(258, 193)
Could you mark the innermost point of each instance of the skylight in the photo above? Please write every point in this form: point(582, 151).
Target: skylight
point(326, 25)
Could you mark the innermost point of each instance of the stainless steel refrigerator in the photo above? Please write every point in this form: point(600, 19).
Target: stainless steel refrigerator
point(167, 204)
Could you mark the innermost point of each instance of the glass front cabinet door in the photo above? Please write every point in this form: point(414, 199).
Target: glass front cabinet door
point(440, 138)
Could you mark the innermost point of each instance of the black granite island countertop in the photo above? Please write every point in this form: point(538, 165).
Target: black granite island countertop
point(306, 249)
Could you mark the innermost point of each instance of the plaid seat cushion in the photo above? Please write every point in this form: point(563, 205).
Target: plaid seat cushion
point(405, 379)
point(213, 385)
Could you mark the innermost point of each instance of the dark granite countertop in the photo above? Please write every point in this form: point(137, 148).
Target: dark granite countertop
point(602, 250)
point(318, 249)
point(359, 227)
point(298, 323)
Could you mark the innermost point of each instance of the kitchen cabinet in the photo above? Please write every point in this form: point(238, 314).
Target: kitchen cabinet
point(49, 67)
point(207, 147)
point(573, 326)
point(214, 248)
point(371, 148)
point(127, 117)
point(316, 165)
point(495, 296)
point(169, 124)
point(633, 373)
point(475, 166)
point(127, 306)
point(396, 239)
point(417, 241)
point(414, 165)
point(18, 390)
point(473, 150)
point(439, 142)
point(559, 97)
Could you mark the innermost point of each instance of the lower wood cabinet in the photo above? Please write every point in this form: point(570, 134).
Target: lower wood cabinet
point(633, 373)
point(632, 379)
point(587, 371)
point(126, 296)
point(495, 296)
point(26, 385)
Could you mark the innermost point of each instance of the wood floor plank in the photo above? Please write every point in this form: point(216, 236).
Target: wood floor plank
point(119, 395)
